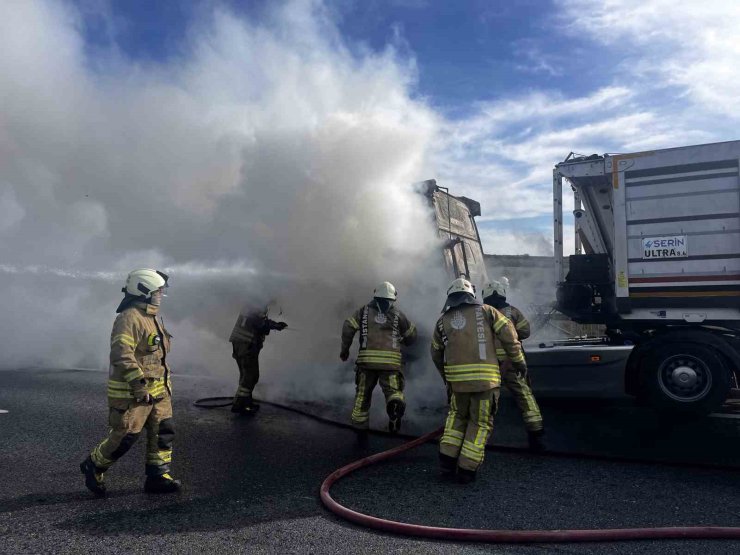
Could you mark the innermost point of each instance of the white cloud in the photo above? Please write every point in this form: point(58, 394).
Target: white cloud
point(503, 156)
point(693, 46)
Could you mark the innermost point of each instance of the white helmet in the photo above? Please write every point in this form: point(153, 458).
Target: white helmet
point(461, 285)
point(496, 286)
point(144, 282)
point(386, 290)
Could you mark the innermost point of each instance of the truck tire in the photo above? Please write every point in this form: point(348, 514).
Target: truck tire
point(687, 378)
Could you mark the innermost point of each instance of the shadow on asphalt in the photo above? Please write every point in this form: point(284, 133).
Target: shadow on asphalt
point(44, 500)
point(243, 472)
point(190, 516)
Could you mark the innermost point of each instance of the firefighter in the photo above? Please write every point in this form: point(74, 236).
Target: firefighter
point(139, 387)
point(247, 339)
point(383, 329)
point(463, 350)
point(494, 294)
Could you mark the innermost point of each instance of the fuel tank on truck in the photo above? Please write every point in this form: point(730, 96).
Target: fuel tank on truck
point(578, 369)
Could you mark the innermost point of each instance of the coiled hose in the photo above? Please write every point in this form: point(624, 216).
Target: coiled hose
point(470, 534)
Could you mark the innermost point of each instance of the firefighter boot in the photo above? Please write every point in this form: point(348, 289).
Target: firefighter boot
point(395, 411)
point(244, 405)
point(93, 477)
point(465, 476)
point(447, 465)
point(162, 484)
point(535, 441)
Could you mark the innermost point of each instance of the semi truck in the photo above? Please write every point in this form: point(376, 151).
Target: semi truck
point(657, 262)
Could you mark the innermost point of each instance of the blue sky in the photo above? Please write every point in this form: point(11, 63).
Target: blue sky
point(466, 52)
point(500, 91)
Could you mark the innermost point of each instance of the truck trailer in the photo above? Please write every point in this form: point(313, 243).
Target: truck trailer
point(657, 262)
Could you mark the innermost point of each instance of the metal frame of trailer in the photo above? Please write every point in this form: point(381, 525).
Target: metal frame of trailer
point(657, 240)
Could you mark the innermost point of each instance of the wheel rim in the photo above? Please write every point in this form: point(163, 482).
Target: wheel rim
point(684, 378)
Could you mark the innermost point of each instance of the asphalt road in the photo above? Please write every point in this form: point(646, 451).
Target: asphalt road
point(252, 483)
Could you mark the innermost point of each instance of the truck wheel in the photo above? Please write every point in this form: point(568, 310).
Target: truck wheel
point(685, 377)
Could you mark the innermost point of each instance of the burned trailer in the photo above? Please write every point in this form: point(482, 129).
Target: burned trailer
point(657, 261)
point(455, 221)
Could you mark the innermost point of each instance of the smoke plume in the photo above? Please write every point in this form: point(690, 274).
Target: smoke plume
point(267, 163)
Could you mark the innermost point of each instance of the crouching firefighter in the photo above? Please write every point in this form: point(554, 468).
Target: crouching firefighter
point(383, 329)
point(464, 352)
point(247, 339)
point(519, 385)
point(139, 388)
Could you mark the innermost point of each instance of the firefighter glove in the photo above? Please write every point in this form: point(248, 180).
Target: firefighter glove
point(344, 355)
point(279, 326)
point(140, 391)
point(521, 369)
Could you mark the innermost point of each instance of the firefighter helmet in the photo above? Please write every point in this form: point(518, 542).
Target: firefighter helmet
point(143, 282)
point(385, 290)
point(496, 286)
point(461, 285)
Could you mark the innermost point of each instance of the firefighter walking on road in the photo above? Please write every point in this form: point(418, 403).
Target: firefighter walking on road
point(139, 387)
point(463, 350)
point(247, 339)
point(383, 330)
point(494, 294)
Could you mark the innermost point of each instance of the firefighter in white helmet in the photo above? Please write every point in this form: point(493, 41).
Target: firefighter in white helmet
point(464, 352)
point(494, 294)
point(383, 330)
point(139, 387)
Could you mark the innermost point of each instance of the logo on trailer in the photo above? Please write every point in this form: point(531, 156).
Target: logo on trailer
point(665, 247)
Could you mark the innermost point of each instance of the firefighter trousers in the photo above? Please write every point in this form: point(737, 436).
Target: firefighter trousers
point(247, 359)
point(520, 389)
point(392, 384)
point(467, 428)
point(125, 427)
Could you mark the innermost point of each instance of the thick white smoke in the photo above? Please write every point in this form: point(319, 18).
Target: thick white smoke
point(267, 162)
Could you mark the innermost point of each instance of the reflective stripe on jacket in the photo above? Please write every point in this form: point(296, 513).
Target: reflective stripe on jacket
point(463, 347)
point(138, 350)
point(381, 336)
point(520, 323)
point(251, 327)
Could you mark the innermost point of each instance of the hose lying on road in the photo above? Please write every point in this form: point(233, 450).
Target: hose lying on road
point(469, 534)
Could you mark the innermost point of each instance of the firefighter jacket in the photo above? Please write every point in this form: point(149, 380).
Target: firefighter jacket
point(251, 327)
point(463, 348)
point(381, 336)
point(520, 323)
point(139, 345)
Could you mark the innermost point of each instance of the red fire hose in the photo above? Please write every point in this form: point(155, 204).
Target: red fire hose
point(469, 534)
point(501, 536)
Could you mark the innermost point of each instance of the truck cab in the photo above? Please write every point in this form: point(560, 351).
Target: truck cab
point(455, 221)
